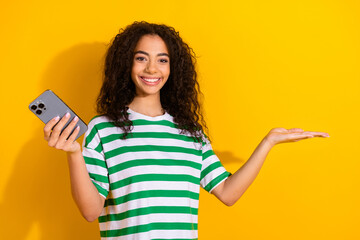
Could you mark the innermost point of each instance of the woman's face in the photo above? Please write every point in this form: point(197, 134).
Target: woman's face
point(151, 65)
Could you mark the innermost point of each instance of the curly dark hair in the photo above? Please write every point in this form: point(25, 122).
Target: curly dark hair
point(179, 95)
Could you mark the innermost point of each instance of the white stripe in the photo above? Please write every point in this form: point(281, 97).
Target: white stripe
point(208, 161)
point(110, 131)
point(97, 170)
point(155, 128)
point(153, 234)
point(210, 190)
point(206, 147)
point(88, 152)
point(150, 202)
point(211, 176)
point(166, 142)
point(105, 186)
point(145, 169)
point(93, 143)
point(150, 218)
point(155, 185)
point(152, 155)
point(139, 128)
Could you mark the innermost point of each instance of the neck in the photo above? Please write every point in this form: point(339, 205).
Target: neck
point(147, 105)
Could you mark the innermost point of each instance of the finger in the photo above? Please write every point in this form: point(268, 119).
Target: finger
point(67, 131)
point(49, 126)
point(57, 129)
point(72, 138)
point(305, 135)
point(54, 136)
point(294, 137)
point(317, 134)
point(74, 134)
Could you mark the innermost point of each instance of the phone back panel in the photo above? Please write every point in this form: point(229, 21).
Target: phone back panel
point(48, 105)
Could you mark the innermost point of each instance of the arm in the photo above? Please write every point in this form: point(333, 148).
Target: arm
point(230, 190)
point(84, 193)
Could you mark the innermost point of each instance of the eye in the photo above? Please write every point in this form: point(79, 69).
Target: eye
point(140, 59)
point(164, 60)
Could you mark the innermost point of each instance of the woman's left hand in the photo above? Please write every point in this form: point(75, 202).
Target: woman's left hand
point(282, 135)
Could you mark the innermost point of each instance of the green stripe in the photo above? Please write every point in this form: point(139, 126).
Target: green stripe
point(139, 122)
point(155, 177)
point(142, 148)
point(148, 210)
point(95, 129)
point(215, 181)
point(208, 154)
point(90, 136)
point(142, 122)
point(99, 147)
point(99, 178)
point(153, 162)
point(161, 135)
point(149, 227)
point(209, 168)
point(152, 193)
point(101, 190)
point(95, 161)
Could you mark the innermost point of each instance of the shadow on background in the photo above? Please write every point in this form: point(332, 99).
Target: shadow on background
point(228, 158)
point(38, 191)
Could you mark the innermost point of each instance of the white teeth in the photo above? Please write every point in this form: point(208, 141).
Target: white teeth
point(151, 79)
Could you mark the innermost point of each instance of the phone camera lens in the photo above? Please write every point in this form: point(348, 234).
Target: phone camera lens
point(41, 105)
point(33, 107)
point(38, 112)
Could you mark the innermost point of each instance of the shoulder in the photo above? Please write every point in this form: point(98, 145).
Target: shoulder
point(98, 120)
point(97, 127)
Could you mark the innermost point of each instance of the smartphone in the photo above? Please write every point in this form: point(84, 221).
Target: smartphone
point(48, 105)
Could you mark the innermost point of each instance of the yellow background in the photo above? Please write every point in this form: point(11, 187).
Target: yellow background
point(261, 64)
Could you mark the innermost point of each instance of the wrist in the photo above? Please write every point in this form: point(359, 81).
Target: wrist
point(75, 153)
point(268, 143)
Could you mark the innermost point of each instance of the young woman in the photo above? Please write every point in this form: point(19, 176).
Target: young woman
point(145, 156)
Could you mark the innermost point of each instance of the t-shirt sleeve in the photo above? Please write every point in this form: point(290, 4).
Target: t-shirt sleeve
point(95, 160)
point(212, 171)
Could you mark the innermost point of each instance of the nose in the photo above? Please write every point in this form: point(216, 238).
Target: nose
point(151, 67)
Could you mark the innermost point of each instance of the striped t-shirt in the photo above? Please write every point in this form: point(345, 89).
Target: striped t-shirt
point(151, 180)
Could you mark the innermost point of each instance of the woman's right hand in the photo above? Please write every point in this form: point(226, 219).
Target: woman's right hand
point(62, 140)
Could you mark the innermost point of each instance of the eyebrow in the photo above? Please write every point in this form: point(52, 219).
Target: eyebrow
point(147, 54)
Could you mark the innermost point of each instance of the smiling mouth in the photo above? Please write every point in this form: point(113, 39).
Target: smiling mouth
point(150, 80)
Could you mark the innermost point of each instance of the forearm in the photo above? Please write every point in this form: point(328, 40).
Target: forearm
point(232, 189)
point(235, 186)
point(85, 194)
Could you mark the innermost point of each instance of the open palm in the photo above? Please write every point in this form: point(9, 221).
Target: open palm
point(282, 135)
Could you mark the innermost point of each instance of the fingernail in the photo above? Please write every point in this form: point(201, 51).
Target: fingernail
point(56, 118)
point(67, 115)
point(75, 118)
